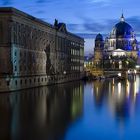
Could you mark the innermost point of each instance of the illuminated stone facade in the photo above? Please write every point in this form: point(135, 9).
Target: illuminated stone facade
point(119, 50)
point(35, 53)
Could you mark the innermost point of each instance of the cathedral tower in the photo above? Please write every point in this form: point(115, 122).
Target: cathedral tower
point(98, 51)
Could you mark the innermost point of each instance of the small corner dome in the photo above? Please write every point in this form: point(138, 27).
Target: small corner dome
point(99, 37)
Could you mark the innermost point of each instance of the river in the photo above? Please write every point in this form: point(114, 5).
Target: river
point(97, 110)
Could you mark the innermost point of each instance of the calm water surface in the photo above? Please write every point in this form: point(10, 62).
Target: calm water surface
point(99, 110)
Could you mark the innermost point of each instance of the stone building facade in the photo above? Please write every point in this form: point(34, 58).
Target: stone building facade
point(35, 53)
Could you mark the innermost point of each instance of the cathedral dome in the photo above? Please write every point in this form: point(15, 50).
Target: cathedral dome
point(99, 37)
point(122, 29)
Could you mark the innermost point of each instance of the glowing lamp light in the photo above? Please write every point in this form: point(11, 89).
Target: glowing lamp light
point(137, 66)
point(119, 74)
point(64, 72)
point(132, 39)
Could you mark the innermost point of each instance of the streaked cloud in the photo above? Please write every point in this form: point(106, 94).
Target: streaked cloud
point(98, 1)
point(45, 1)
point(105, 26)
point(6, 2)
point(135, 23)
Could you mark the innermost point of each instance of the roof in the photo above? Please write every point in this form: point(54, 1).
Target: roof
point(12, 10)
point(118, 50)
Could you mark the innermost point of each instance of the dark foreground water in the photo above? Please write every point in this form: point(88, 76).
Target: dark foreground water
point(99, 110)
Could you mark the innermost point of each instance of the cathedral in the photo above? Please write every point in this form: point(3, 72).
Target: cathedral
point(119, 50)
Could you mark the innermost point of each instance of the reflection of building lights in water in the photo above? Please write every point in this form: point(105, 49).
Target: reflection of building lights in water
point(119, 88)
point(110, 88)
point(92, 91)
point(137, 84)
point(127, 88)
point(136, 87)
point(135, 71)
point(113, 81)
point(113, 89)
point(97, 90)
point(135, 90)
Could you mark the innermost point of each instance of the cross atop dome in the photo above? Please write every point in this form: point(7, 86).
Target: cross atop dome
point(122, 18)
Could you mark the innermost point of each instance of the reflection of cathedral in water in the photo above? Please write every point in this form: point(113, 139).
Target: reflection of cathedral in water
point(40, 113)
point(120, 97)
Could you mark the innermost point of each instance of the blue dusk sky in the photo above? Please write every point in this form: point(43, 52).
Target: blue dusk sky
point(82, 16)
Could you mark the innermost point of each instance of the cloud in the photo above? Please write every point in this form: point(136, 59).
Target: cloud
point(6, 2)
point(135, 23)
point(73, 26)
point(94, 27)
point(96, 1)
point(103, 27)
point(39, 12)
point(101, 3)
point(46, 1)
point(76, 28)
point(42, 1)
